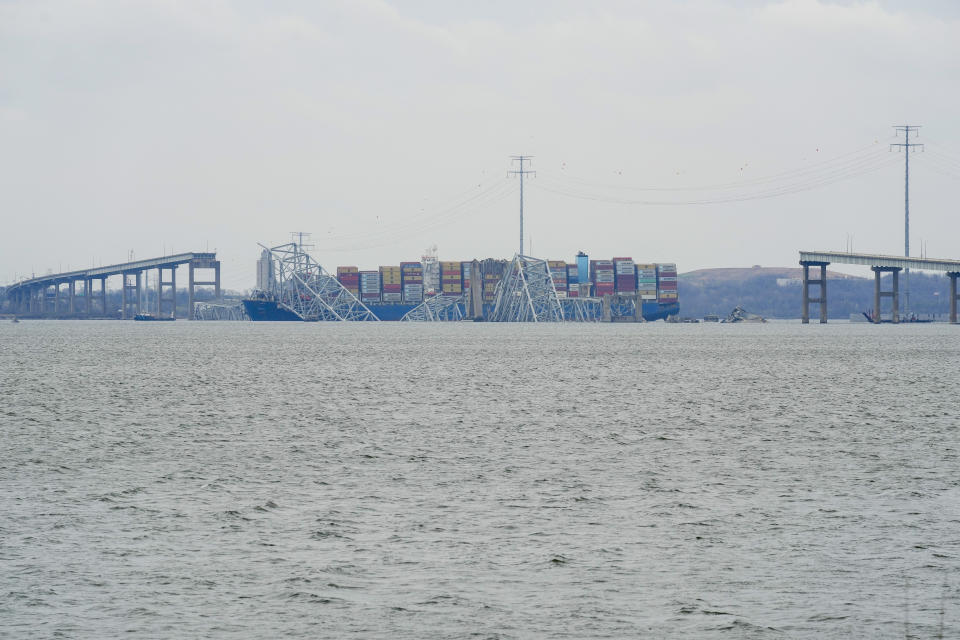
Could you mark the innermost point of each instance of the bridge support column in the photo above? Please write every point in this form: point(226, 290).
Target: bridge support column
point(103, 296)
point(56, 299)
point(87, 296)
point(895, 300)
point(139, 292)
point(72, 287)
point(807, 283)
point(893, 294)
point(170, 286)
point(953, 275)
point(190, 293)
point(876, 295)
point(202, 263)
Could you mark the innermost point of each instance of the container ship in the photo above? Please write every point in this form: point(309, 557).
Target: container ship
point(390, 292)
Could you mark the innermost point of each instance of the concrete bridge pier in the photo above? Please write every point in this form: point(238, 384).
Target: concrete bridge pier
point(893, 294)
point(807, 283)
point(201, 263)
point(170, 286)
point(87, 296)
point(953, 275)
point(130, 294)
point(72, 288)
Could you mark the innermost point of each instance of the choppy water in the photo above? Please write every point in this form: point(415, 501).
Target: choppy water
point(489, 481)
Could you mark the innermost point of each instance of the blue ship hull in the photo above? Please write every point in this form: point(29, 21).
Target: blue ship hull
point(657, 311)
point(269, 311)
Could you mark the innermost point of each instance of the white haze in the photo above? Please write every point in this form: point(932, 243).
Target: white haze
point(180, 125)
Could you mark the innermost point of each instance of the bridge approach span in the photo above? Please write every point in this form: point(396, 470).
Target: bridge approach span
point(42, 297)
point(879, 264)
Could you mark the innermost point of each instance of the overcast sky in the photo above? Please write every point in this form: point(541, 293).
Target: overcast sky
point(386, 127)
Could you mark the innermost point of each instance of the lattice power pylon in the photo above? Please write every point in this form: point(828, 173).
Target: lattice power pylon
point(526, 293)
point(437, 309)
point(305, 288)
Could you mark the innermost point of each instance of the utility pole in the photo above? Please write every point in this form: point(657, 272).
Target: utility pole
point(906, 145)
point(521, 172)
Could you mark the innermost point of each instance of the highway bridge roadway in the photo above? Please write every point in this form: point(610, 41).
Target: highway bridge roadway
point(879, 264)
point(56, 295)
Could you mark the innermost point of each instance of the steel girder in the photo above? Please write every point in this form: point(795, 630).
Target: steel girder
point(437, 309)
point(526, 293)
point(208, 311)
point(306, 289)
point(582, 309)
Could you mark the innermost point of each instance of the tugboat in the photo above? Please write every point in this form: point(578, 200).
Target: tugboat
point(149, 317)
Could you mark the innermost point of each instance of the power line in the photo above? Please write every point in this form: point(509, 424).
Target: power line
point(841, 162)
point(521, 172)
point(465, 200)
point(906, 145)
point(773, 192)
point(389, 237)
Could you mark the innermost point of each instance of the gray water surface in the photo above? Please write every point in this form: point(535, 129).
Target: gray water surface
point(475, 480)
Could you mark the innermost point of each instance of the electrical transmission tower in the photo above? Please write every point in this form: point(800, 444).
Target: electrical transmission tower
point(521, 172)
point(906, 145)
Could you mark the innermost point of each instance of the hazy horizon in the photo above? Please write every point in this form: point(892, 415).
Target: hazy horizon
point(387, 127)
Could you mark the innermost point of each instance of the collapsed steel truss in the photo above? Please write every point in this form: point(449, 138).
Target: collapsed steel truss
point(526, 293)
point(306, 289)
point(582, 309)
point(437, 309)
point(211, 311)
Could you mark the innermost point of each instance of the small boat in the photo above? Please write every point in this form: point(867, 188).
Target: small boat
point(149, 317)
point(14, 320)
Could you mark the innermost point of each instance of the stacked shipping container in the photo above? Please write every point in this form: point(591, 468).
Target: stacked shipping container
point(451, 279)
point(573, 278)
point(490, 282)
point(349, 277)
point(391, 284)
point(412, 276)
point(602, 277)
point(667, 282)
point(647, 281)
point(465, 275)
point(370, 286)
point(625, 275)
point(558, 273)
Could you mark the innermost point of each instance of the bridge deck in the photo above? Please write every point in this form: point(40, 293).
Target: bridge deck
point(114, 269)
point(877, 260)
